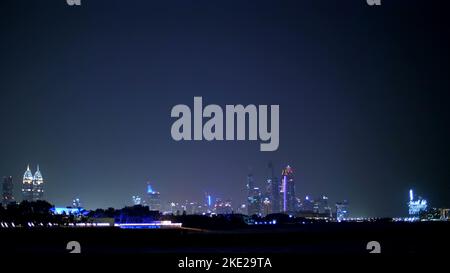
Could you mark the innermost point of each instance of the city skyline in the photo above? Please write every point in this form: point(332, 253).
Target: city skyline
point(87, 92)
point(287, 201)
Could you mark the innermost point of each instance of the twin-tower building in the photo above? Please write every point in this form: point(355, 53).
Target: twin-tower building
point(32, 185)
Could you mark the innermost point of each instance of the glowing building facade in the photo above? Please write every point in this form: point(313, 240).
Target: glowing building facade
point(27, 185)
point(32, 185)
point(208, 202)
point(254, 202)
point(415, 207)
point(223, 206)
point(307, 205)
point(253, 197)
point(288, 200)
point(153, 198)
point(324, 207)
point(38, 185)
point(341, 210)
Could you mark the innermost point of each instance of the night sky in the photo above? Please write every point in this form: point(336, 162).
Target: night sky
point(86, 93)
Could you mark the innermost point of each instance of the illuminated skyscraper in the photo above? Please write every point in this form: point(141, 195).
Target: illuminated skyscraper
point(7, 188)
point(38, 185)
point(415, 207)
point(272, 197)
point(27, 185)
point(307, 205)
point(288, 200)
point(153, 198)
point(208, 202)
point(253, 197)
point(341, 210)
point(32, 186)
point(254, 202)
point(324, 208)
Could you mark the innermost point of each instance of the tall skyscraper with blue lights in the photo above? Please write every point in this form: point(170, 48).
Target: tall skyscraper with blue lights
point(208, 202)
point(253, 197)
point(341, 210)
point(153, 198)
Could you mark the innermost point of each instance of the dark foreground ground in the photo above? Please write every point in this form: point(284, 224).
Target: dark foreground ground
point(326, 238)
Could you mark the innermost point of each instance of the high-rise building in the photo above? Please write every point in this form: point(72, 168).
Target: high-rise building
point(341, 210)
point(316, 206)
point(250, 186)
point(32, 186)
point(193, 208)
point(38, 185)
point(175, 208)
point(253, 197)
point(7, 187)
point(223, 206)
point(250, 183)
point(208, 205)
point(254, 202)
point(287, 191)
point(272, 197)
point(324, 207)
point(27, 185)
point(242, 209)
point(307, 205)
point(153, 198)
point(415, 207)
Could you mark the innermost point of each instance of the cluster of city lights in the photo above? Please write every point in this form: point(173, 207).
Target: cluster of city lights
point(273, 222)
point(156, 224)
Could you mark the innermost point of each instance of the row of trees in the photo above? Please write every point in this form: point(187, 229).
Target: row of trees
point(25, 212)
point(41, 212)
point(37, 212)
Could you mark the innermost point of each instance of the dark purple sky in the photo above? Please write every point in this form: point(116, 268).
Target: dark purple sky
point(86, 92)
